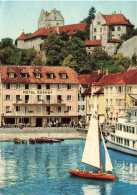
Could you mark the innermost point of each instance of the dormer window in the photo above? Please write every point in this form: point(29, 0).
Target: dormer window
point(11, 75)
point(63, 75)
point(24, 75)
point(50, 75)
point(37, 75)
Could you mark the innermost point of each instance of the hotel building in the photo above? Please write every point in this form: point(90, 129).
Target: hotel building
point(38, 95)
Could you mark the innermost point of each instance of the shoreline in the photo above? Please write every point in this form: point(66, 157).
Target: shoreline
point(8, 134)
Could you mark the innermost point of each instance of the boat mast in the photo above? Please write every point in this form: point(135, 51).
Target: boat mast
point(99, 138)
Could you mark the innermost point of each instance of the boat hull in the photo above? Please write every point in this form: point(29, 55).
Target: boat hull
point(120, 148)
point(91, 175)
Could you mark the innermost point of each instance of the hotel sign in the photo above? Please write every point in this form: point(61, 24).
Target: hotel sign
point(37, 92)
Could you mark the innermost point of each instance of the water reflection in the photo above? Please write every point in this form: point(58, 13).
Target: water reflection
point(42, 167)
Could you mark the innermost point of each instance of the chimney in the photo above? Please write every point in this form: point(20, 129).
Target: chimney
point(58, 30)
point(107, 72)
point(99, 71)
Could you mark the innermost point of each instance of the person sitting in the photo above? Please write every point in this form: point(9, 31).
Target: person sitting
point(77, 169)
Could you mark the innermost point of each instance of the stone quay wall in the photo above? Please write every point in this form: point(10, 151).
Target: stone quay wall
point(8, 134)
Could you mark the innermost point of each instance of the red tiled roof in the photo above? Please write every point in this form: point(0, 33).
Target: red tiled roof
point(113, 41)
point(83, 79)
point(72, 77)
point(129, 77)
point(22, 36)
point(88, 79)
point(70, 29)
point(87, 91)
point(116, 19)
point(100, 91)
point(92, 43)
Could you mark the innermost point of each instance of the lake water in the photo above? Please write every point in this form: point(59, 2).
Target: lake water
point(43, 169)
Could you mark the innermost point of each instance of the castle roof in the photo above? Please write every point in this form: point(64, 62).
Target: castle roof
point(116, 19)
point(70, 29)
point(22, 36)
point(72, 77)
point(92, 43)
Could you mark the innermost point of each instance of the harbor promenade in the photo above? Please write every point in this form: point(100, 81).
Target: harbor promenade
point(8, 134)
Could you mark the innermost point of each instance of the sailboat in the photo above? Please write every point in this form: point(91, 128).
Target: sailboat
point(92, 155)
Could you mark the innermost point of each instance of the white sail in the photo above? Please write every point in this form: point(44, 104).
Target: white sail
point(108, 164)
point(91, 154)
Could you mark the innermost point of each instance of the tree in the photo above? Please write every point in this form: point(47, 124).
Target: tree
point(75, 47)
point(134, 59)
point(54, 48)
point(88, 20)
point(70, 62)
point(80, 34)
point(37, 62)
point(64, 36)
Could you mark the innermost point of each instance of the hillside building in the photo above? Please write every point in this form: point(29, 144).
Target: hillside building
point(37, 38)
point(107, 30)
point(53, 19)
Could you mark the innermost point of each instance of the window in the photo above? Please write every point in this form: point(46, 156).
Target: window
point(95, 30)
point(17, 108)
point(69, 87)
point(69, 108)
point(59, 87)
point(120, 89)
point(26, 86)
point(48, 98)
point(8, 109)
point(39, 98)
point(39, 86)
point(129, 89)
point(100, 29)
point(50, 75)
point(113, 28)
point(18, 98)
point(111, 101)
point(68, 97)
point(59, 98)
point(39, 109)
point(37, 75)
point(26, 98)
point(17, 86)
point(7, 86)
point(11, 75)
point(94, 37)
point(106, 101)
point(63, 76)
point(47, 86)
point(24, 75)
point(111, 89)
point(59, 109)
point(7, 97)
point(98, 23)
point(83, 107)
point(118, 28)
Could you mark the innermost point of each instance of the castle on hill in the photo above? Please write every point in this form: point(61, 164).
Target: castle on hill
point(105, 31)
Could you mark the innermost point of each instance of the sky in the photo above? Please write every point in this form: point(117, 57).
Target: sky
point(19, 16)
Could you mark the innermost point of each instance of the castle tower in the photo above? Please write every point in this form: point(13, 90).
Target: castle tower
point(53, 19)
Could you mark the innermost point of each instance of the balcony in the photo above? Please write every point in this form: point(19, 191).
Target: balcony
point(40, 102)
